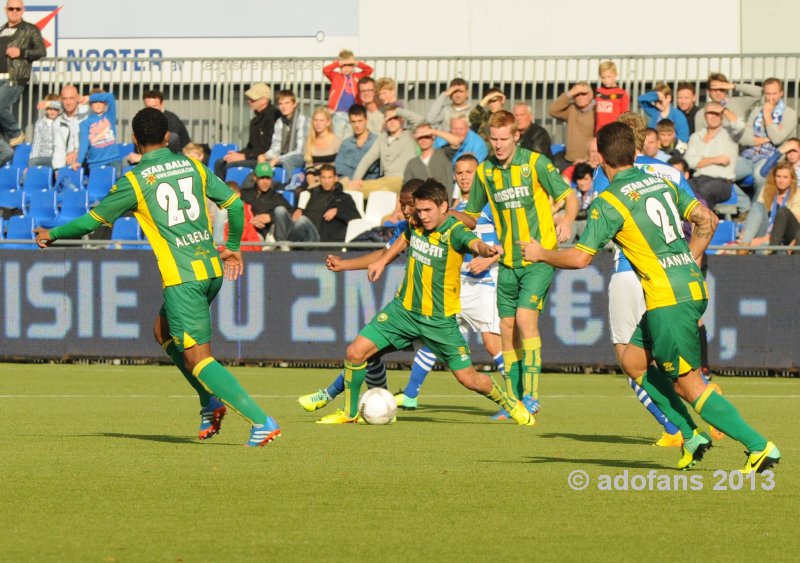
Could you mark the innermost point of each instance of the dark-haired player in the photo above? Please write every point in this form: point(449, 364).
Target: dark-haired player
point(166, 193)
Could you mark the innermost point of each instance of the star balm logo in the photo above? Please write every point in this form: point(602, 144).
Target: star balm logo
point(634, 195)
point(46, 19)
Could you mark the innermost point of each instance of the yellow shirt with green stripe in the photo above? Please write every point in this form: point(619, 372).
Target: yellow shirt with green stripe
point(167, 194)
point(643, 214)
point(519, 197)
point(432, 281)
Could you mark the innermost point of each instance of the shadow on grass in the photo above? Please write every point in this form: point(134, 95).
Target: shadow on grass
point(154, 438)
point(583, 462)
point(595, 438)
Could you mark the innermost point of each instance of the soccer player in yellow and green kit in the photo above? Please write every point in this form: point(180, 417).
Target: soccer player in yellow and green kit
point(518, 184)
point(643, 214)
point(167, 194)
point(425, 307)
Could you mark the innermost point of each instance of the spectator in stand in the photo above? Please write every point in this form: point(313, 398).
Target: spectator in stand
point(97, 145)
point(344, 88)
point(769, 124)
point(651, 147)
point(431, 162)
point(610, 101)
point(289, 137)
point(686, 100)
point(367, 91)
point(43, 133)
point(773, 217)
point(453, 100)
point(66, 130)
point(21, 43)
point(657, 105)
point(393, 149)
point(387, 92)
point(262, 126)
point(668, 142)
point(195, 151)
point(712, 154)
point(460, 140)
point(493, 101)
point(178, 135)
point(791, 152)
point(532, 136)
point(593, 161)
point(718, 90)
point(353, 148)
point(263, 200)
point(322, 144)
point(324, 217)
point(576, 108)
point(249, 232)
point(680, 164)
point(583, 182)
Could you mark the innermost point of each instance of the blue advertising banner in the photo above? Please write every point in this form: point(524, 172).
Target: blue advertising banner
point(70, 303)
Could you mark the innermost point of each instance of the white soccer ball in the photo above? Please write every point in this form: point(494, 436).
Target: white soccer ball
point(377, 406)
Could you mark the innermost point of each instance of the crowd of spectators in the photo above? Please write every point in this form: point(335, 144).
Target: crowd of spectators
point(363, 138)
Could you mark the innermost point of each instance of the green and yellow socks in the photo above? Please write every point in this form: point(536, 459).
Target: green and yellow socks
point(221, 383)
point(721, 414)
point(531, 366)
point(177, 359)
point(354, 375)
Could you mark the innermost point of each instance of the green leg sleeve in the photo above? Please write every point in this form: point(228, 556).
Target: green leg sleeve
point(227, 389)
point(177, 359)
point(720, 413)
point(659, 387)
point(354, 376)
point(502, 398)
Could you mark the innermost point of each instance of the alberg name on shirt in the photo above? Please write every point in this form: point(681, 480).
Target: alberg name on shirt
point(422, 251)
point(644, 186)
point(511, 196)
point(681, 259)
point(167, 169)
point(192, 238)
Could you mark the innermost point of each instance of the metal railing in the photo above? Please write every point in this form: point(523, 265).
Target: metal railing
point(208, 93)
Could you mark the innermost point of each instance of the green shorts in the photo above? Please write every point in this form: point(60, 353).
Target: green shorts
point(395, 326)
point(186, 308)
point(523, 288)
point(672, 336)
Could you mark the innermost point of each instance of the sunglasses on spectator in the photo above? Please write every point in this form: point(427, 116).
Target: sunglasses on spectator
point(13, 9)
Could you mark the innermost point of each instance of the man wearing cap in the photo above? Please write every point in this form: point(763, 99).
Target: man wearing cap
point(261, 128)
point(20, 44)
point(263, 199)
point(712, 153)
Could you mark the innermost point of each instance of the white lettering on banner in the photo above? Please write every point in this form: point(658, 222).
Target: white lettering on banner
point(323, 302)
point(360, 304)
point(114, 299)
point(11, 300)
point(245, 320)
point(58, 303)
point(571, 303)
point(85, 300)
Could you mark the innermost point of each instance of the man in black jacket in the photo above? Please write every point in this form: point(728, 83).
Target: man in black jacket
point(261, 127)
point(324, 218)
point(20, 44)
point(263, 199)
point(531, 136)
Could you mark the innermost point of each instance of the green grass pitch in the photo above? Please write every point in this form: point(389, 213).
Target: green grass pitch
point(100, 463)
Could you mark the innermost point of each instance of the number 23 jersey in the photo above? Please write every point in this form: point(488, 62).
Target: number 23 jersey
point(167, 194)
point(643, 214)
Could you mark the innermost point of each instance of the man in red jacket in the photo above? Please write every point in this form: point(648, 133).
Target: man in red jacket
point(344, 88)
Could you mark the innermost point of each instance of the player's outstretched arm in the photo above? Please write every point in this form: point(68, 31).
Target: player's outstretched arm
point(569, 259)
point(375, 269)
point(42, 237)
point(338, 264)
point(705, 223)
point(485, 250)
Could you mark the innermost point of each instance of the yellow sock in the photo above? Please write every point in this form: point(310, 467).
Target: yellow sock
point(531, 365)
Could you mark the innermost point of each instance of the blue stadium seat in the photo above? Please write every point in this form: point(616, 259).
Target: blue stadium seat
point(289, 196)
point(279, 174)
point(69, 179)
point(74, 203)
point(126, 228)
point(725, 233)
point(42, 207)
point(218, 151)
point(12, 199)
point(22, 154)
point(38, 178)
point(100, 181)
point(9, 178)
point(237, 174)
point(125, 149)
point(20, 227)
point(556, 148)
point(728, 208)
